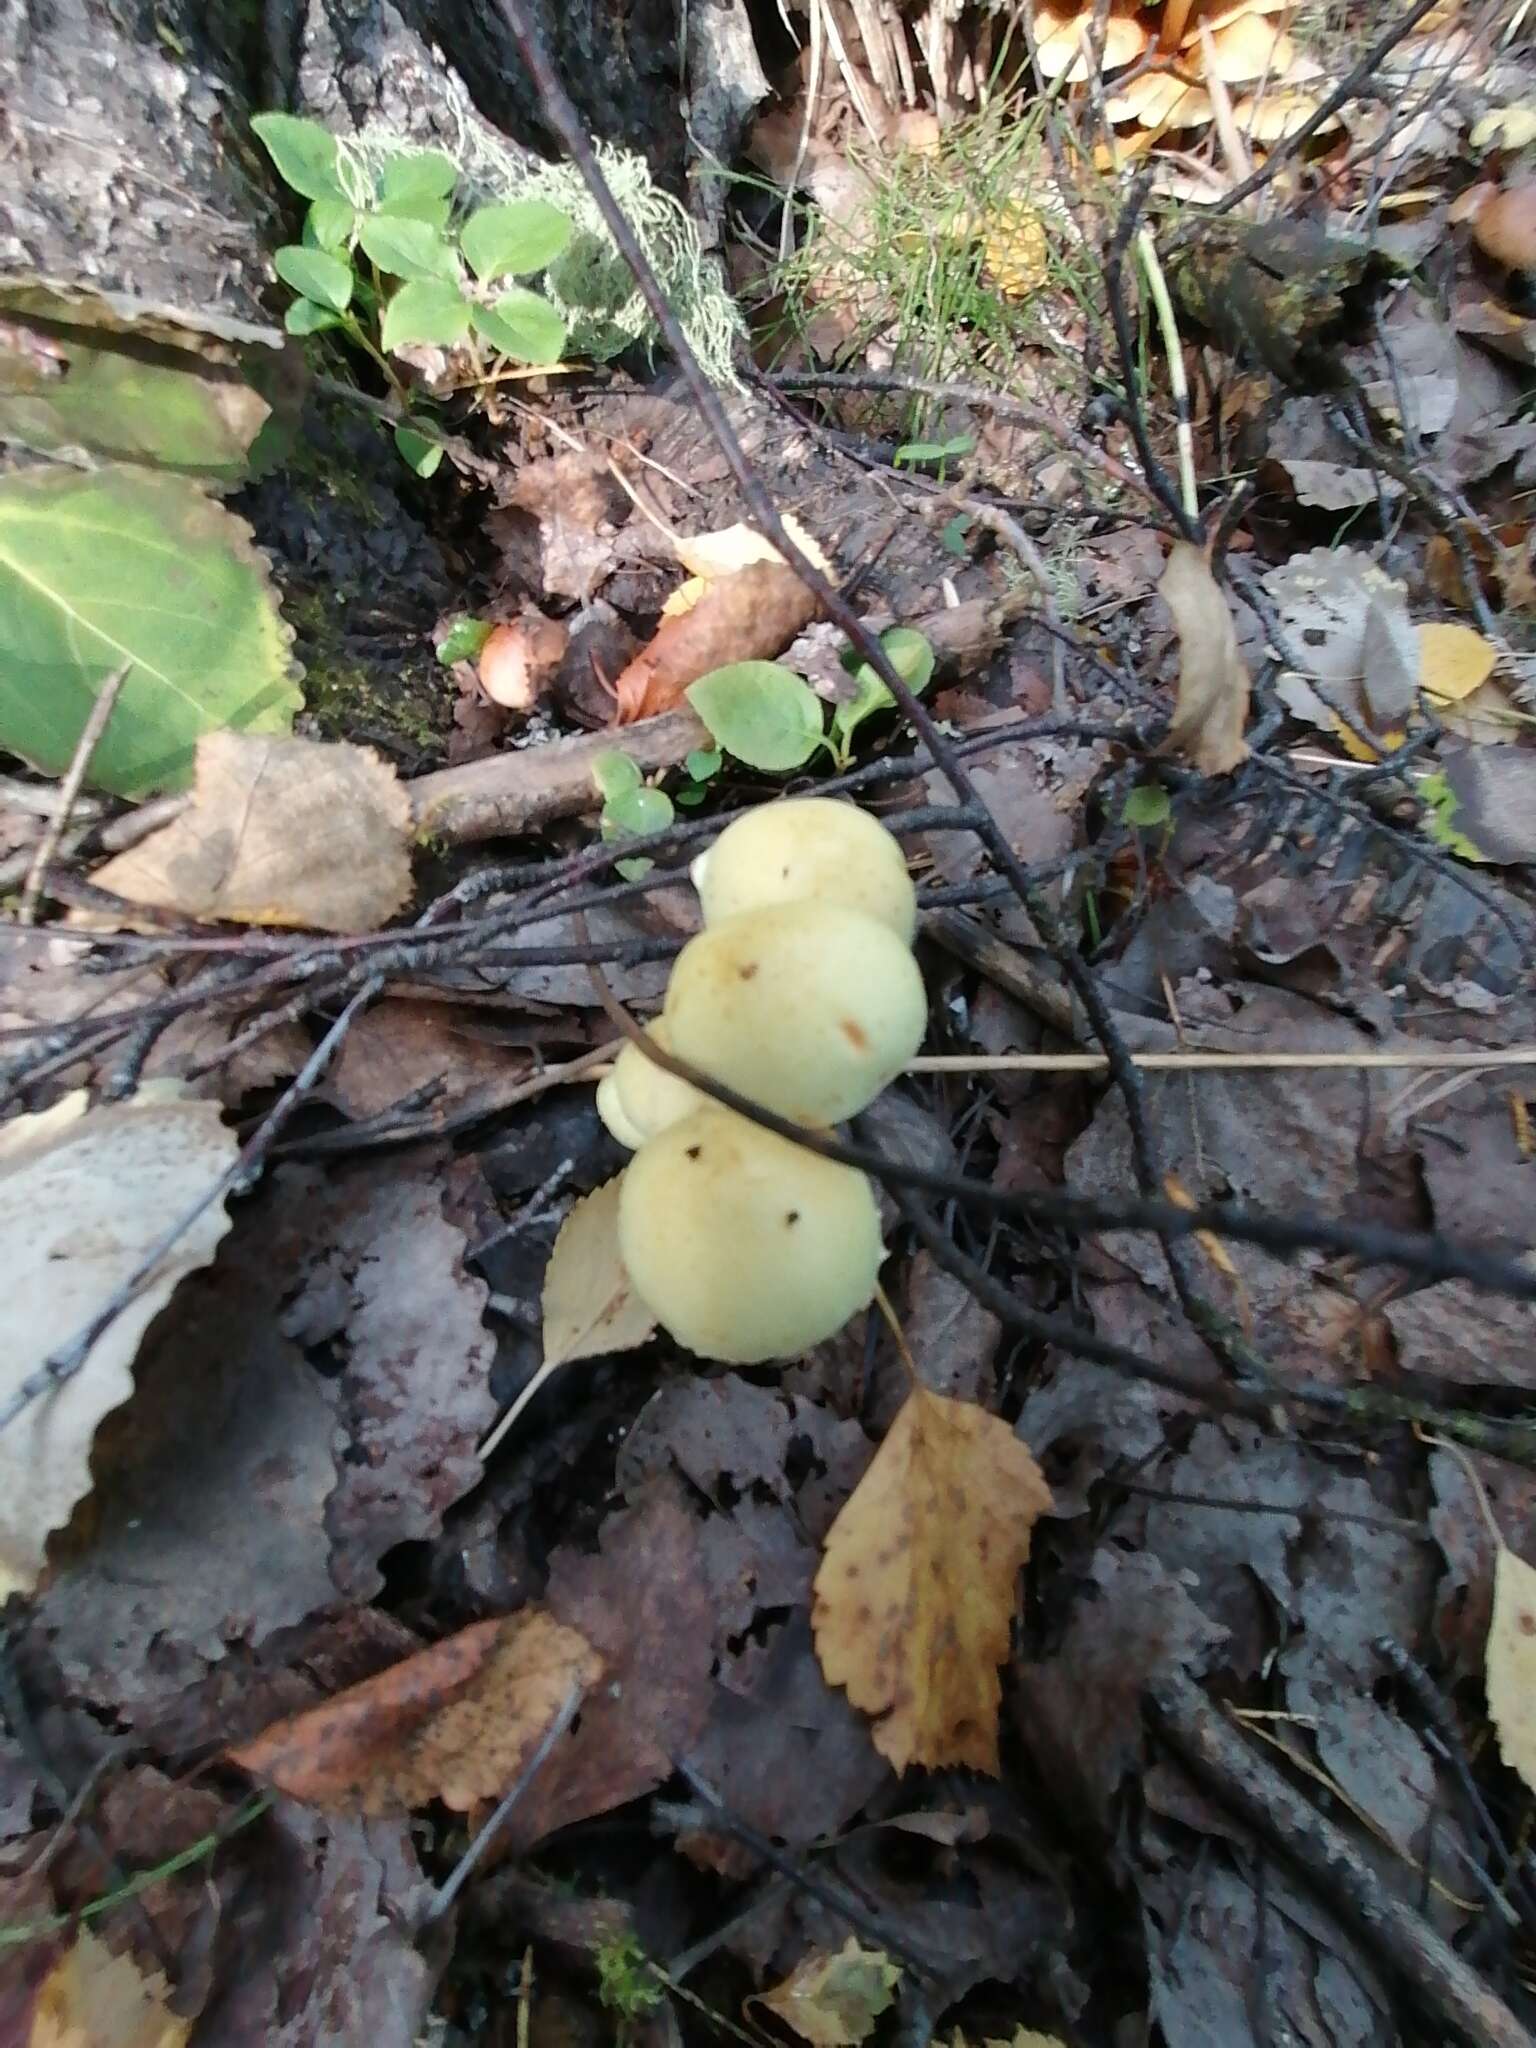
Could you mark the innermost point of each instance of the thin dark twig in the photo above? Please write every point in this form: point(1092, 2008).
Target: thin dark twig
point(95, 725)
point(454, 1883)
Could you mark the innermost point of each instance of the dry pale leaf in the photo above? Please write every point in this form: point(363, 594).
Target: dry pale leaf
point(84, 1194)
point(1212, 706)
point(916, 1592)
point(1389, 676)
point(1453, 660)
point(712, 555)
point(833, 2001)
point(1511, 1667)
point(709, 556)
point(750, 615)
point(92, 1998)
point(1495, 792)
point(456, 1722)
point(590, 1308)
point(279, 831)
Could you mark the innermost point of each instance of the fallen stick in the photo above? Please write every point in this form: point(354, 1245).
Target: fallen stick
point(530, 787)
point(506, 794)
point(1246, 1784)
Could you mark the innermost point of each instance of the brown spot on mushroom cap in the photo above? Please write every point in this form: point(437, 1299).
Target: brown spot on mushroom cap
point(1505, 227)
point(854, 1032)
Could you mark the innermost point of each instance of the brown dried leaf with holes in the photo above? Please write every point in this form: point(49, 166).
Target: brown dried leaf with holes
point(916, 1592)
point(456, 1722)
point(1212, 705)
point(749, 616)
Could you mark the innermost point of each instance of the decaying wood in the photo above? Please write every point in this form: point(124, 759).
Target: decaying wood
point(520, 792)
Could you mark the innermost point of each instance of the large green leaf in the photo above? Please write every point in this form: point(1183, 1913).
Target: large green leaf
point(406, 248)
point(523, 326)
point(514, 240)
point(763, 714)
point(425, 310)
point(304, 153)
point(121, 566)
point(88, 394)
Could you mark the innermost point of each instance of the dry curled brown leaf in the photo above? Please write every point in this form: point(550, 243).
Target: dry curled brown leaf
point(916, 1593)
point(1212, 705)
point(749, 616)
point(279, 831)
point(456, 1722)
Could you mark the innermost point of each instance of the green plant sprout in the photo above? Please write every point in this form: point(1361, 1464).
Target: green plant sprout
point(631, 807)
point(463, 640)
point(766, 716)
point(400, 271)
point(626, 1984)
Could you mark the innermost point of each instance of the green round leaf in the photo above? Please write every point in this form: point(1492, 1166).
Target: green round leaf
point(425, 310)
point(305, 317)
point(114, 566)
point(762, 713)
point(316, 274)
point(636, 811)
point(406, 248)
point(304, 153)
point(615, 774)
point(514, 240)
point(463, 641)
point(417, 452)
point(523, 326)
point(908, 653)
point(330, 224)
point(418, 174)
point(702, 763)
point(435, 212)
point(1147, 805)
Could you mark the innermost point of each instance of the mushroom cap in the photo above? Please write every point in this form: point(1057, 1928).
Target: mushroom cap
point(1276, 115)
point(1158, 100)
point(808, 849)
point(646, 1097)
point(806, 1008)
point(1505, 227)
point(611, 1111)
point(746, 1247)
point(1233, 12)
point(1248, 48)
point(1064, 42)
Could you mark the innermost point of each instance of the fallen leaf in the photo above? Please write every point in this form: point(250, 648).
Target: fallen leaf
point(590, 1308)
point(279, 831)
point(84, 1195)
point(833, 2001)
point(1495, 793)
point(1021, 2037)
point(644, 1602)
point(710, 556)
point(376, 1281)
point(1389, 674)
point(92, 1998)
point(425, 1051)
point(917, 1589)
point(1323, 601)
point(1511, 1669)
point(751, 615)
point(1212, 705)
point(456, 1722)
point(1335, 486)
point(1453, 660)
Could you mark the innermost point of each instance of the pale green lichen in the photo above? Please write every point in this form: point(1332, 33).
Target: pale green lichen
point(590, 284)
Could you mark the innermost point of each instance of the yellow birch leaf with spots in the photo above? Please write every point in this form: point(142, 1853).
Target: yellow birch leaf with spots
point(833, 2001)
point(916, 1592)
point(92, 1998)
point(1510, 1673)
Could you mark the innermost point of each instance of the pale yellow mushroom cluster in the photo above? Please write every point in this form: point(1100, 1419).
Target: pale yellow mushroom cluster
point(801, 994)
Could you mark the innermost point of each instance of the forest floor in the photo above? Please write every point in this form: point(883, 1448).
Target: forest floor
point(407, 1640)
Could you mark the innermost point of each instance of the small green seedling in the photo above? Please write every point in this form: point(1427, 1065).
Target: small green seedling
point(768, 717)
point(631, 807)
point(912, 658)
point(398, 271)
point(919, 453)
point(463, 640)
point(1146, 806)
point(703, 764)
